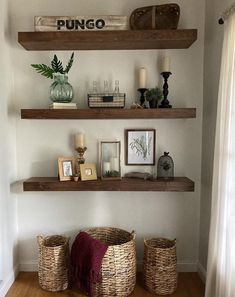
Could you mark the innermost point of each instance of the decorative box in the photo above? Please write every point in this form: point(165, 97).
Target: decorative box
point(80, 23)
point(111, 100)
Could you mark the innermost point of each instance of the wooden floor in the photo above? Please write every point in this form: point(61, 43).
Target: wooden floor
point(26, 285)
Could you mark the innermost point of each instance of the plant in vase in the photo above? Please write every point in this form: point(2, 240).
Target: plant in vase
point(112, 173)
point(76, 177)
point(153, 96)
point(60, 90)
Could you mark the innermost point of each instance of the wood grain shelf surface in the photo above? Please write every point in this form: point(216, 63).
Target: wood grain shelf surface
point(178, 184)
point(108, 113)
point(108, 40)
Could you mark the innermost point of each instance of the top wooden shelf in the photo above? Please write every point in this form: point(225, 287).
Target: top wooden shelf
point(108, 40)
point(108, 113)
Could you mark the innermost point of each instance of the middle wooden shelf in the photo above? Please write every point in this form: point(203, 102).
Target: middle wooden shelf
point(177, 184)
point(108, 113)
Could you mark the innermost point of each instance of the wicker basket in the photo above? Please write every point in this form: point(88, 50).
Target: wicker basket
point(53, 262)
point(159, 266)
point(118, 270)
point(156, 17)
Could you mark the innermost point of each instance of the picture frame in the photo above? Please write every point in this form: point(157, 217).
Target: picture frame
point(110, 162)
point(88, 171)
point(140, 146)
point(66, 168)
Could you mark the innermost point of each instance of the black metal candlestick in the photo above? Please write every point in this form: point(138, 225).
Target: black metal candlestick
point(142, 95)
point(165, 102)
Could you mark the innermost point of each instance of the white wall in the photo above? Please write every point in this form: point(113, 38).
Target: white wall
point(213, 46)
point(8, 224)
point(39, 143)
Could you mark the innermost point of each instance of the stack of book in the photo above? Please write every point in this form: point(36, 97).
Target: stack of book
point(57, 105)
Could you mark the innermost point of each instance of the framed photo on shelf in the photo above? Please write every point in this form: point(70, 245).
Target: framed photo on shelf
point(88, 171)
point(66, 168)
point(140, 146)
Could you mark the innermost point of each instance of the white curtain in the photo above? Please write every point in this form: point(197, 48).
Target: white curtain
point(221, 258)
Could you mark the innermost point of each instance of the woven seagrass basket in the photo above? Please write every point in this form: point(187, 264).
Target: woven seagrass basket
point(159, 266)
point(53, 262)
point(118, 270)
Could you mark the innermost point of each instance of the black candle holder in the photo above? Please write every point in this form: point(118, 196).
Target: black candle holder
point(165, 102)
point(142, 95)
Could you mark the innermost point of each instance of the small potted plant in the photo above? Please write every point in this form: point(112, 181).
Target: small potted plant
point(76, 177)
point(112, 173)
point(60, 90)
point(153, 96)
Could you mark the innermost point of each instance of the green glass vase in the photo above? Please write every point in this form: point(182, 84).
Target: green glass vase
point(61, 90)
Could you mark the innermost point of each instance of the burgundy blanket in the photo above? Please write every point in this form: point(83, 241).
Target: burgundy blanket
point(86, 258)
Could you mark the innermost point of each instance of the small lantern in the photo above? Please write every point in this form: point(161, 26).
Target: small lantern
point(165, 167)
point(110, 159)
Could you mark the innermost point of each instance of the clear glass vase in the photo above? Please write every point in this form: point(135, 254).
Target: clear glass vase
point(61, 90)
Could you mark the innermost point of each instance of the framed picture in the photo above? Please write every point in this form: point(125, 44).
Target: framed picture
point(88, 171)
point(140, 146)
point(66, 168)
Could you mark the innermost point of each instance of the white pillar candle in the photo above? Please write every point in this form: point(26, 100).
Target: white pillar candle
point(106, 167)
point(114, 161)
point(142, 78)
point(79, 140)
point(166, 64)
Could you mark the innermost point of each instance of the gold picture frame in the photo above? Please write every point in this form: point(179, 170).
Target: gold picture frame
point(66, 168)
point(88, 171)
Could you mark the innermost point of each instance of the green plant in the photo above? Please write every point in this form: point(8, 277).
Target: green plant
point(56, 67)
point(154, 94)
point(112, 173)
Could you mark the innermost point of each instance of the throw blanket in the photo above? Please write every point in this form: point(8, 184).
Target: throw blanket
point(86, 258)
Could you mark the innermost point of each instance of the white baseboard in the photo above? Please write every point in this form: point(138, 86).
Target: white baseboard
point(5, 285)
point(201, 271)
point(181, 266)
point(29, 266)
point(187, 267)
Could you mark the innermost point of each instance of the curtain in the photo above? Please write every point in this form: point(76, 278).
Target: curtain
point(221, 254)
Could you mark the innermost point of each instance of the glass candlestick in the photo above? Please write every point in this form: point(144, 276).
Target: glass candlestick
point(106, 87)
point(94, 89)
point(116, 90)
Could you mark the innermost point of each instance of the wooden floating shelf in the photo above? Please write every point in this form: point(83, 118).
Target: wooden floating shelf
point(108, 40)
point(178, 184)
point(108, 113)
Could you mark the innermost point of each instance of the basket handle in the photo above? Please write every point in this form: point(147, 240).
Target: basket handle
point(133, 233)
point(40, 239)
point(67, 240)
point(145, 240)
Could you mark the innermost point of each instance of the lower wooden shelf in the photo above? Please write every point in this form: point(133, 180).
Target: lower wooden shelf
point(178, 184)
